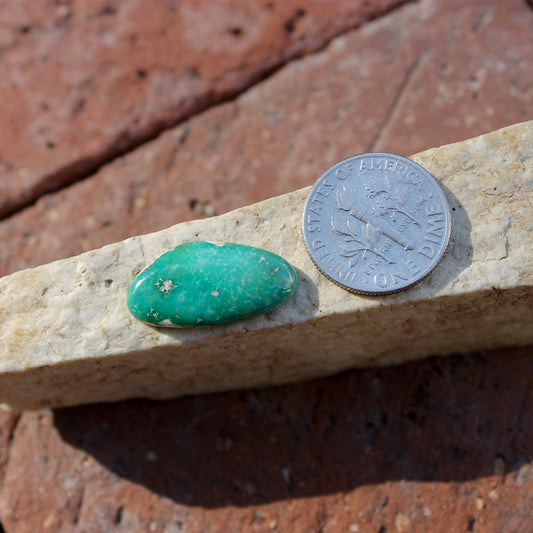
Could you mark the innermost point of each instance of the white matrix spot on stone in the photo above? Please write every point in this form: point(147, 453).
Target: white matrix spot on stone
point(167, 286)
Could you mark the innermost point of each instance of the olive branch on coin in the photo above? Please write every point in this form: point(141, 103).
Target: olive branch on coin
point(353, 244)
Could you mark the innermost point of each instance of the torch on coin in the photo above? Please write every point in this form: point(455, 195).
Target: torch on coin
point(346, 202)
point(405, 218)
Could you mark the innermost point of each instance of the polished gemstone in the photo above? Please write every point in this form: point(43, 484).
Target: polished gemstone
point(200, 283)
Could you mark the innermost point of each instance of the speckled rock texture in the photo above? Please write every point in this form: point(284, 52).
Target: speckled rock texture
point(437, 445)
point(67, 336)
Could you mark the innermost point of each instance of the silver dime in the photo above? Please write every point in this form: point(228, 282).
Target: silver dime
point(376, 223)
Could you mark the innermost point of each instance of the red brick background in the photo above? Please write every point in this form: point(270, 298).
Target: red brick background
point(124, 117)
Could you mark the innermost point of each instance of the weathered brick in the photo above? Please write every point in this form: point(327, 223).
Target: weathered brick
point(82, 81)
point(282, 134)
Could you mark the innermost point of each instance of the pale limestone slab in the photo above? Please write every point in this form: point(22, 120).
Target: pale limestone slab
point(66, 336)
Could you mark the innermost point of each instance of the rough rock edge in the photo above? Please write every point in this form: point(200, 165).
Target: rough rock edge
point(67, 337)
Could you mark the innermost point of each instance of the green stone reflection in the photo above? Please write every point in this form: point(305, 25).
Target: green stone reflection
point(200, 283)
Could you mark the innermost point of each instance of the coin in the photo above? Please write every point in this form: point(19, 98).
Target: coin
point(376, 223)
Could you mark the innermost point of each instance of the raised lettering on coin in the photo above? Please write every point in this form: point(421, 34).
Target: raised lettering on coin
point(376, 223)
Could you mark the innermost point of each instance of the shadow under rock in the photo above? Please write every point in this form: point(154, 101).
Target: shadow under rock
point(442, 419)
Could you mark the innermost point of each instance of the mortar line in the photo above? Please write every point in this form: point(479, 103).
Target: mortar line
point(397, 98)
point(90, 169)
point(9, 445)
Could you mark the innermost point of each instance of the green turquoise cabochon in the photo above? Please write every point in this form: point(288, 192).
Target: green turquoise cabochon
point(200, 283)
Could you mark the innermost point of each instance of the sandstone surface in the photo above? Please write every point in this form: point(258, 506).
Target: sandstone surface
point(68, 338)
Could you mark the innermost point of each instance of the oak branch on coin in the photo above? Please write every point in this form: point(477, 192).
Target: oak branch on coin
point(67, 337)
point(376, 223)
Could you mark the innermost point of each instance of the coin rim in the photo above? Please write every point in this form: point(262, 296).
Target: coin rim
point(385, 292)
